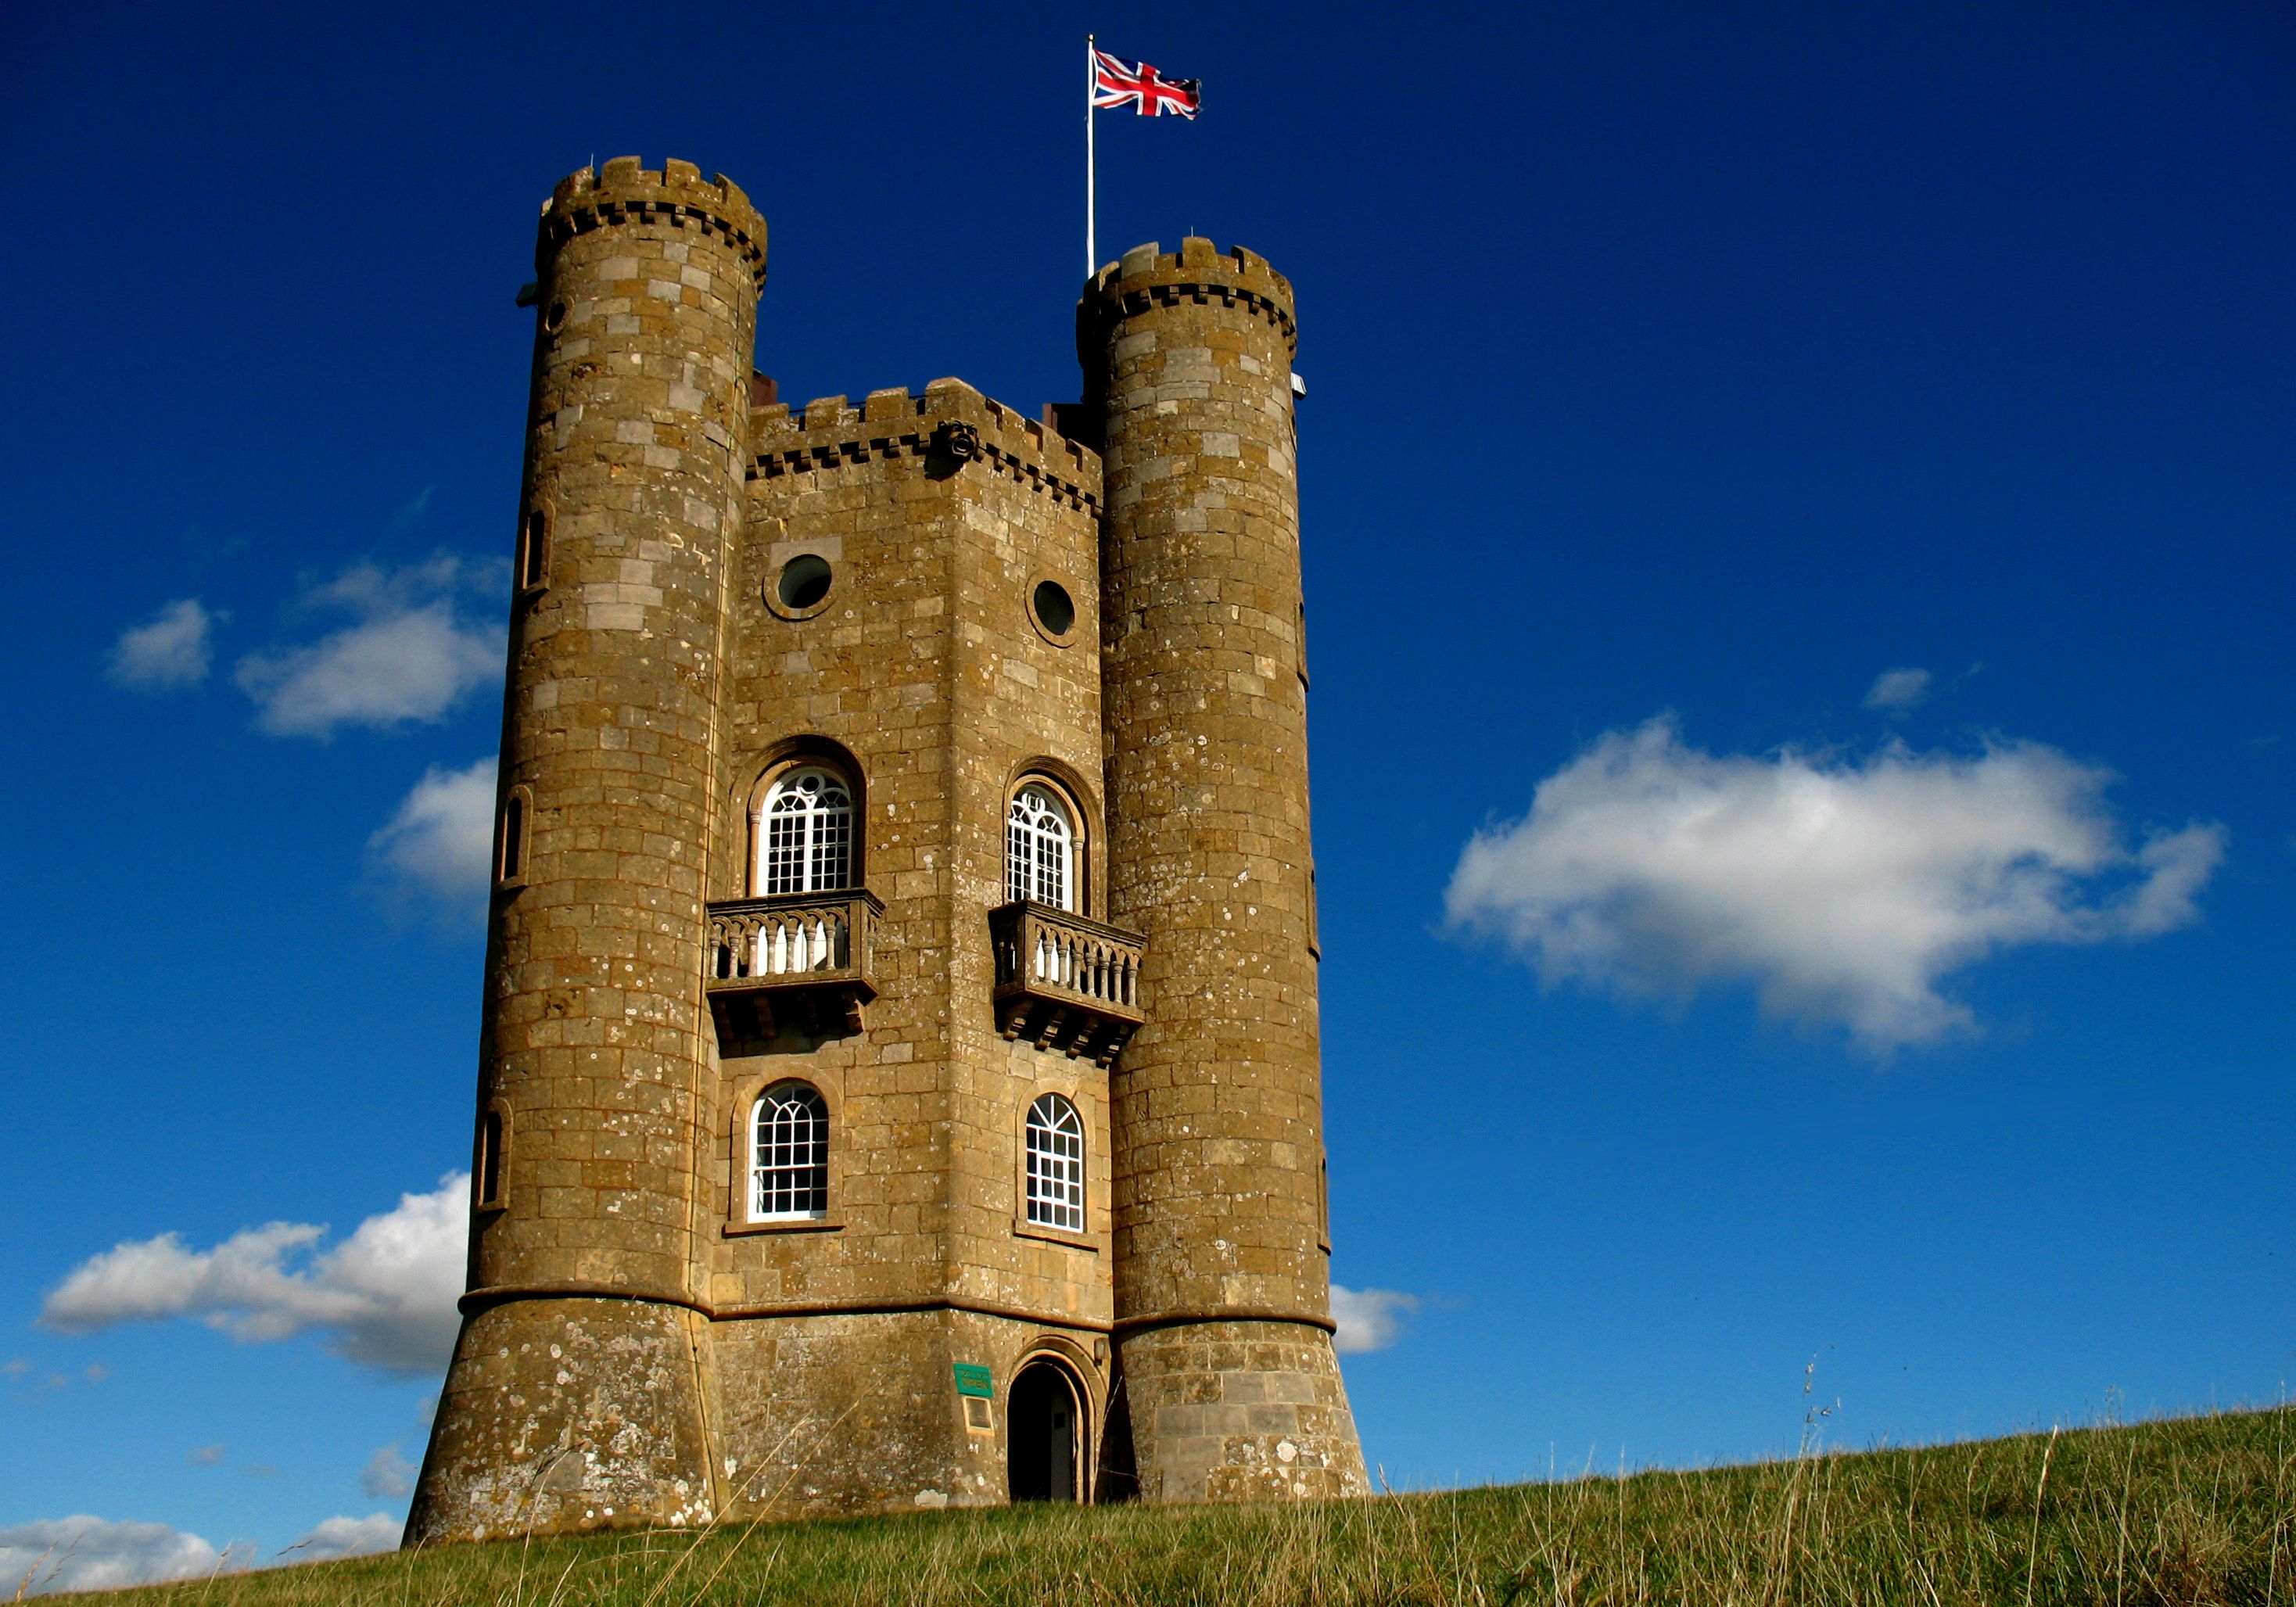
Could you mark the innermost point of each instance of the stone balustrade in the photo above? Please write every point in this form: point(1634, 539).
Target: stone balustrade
point(1065, 981)
point(798, 956)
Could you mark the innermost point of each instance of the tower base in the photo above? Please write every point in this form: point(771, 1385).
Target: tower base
point(561, 1415)
point(1249, 1411)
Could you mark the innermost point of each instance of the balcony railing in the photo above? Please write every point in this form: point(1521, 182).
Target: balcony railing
point(799, 957)
point(1064, 982)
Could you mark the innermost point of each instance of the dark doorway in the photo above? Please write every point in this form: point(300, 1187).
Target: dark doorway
point(1044, 1430)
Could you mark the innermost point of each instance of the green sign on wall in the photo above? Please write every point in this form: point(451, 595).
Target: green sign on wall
point(974, 1380)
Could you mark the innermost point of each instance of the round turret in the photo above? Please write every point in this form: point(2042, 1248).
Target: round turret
point(1222, 1282)
point(595, 1082)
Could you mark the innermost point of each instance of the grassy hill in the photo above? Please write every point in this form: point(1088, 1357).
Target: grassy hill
point(2198, 1511)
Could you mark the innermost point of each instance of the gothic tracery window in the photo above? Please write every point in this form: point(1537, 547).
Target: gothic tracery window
point(804, 833)
point(1039, 849)
point(789, 1155)
point(1055, 1144)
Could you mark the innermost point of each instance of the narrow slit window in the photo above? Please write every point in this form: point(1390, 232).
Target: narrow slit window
point(789, 1155)
point(534, 552)
point(1056, 1145)
point(489, 1168)
point(513, 838)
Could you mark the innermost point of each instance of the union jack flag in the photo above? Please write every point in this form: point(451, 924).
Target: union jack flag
point(1116, 82)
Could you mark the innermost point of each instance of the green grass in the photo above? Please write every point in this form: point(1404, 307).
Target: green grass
point(2189, 1510)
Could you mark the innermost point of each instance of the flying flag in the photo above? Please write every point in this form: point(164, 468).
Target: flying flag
point(1116, 83)
point(1110, 84)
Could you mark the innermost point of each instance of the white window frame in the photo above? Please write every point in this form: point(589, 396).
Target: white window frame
point(789, 1153)
point(803, 829)
point(1054, 1143)
point(1040, 857)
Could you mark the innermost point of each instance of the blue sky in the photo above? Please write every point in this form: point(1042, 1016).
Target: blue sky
point(1680, 378)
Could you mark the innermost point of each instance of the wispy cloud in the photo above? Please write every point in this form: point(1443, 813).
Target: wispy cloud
point(18, 1371)
point(207, 1456)
point(84, 1552)
point(409, 656)
point(169, 652)
point(1899, 691)
point(1369, 1319)
point(387, 1476)
point(1844, 890)
point(347, 1538)
point(385, 1296)
point(439, 845)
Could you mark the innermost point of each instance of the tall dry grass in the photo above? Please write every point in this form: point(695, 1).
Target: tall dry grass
point(2194, 1511)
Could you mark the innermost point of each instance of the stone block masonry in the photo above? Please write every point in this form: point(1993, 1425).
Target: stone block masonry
point(936, 603)
point(1222, 1287)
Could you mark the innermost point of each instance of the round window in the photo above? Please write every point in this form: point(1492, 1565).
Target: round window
point(554, 316)
point(804, 582)
point(1055, 609)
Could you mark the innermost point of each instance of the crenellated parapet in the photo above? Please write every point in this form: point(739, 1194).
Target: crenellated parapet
point(947, 427)
point(1198, 272)
point(626, 190)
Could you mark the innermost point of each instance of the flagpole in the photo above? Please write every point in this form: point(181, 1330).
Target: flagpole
point(1091, 80)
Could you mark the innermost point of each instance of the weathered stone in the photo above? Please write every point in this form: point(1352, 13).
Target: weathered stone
point(635, 1351)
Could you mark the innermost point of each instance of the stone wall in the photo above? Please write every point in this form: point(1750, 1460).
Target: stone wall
point(922, 673)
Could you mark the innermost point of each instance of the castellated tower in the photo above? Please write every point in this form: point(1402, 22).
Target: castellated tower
point(575, 1386)
point(897, 1079)
point(1223, 1287)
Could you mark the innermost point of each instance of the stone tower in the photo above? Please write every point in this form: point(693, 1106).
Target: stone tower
point(596, 1079)
point(897, 1081)
point(1223, 1289)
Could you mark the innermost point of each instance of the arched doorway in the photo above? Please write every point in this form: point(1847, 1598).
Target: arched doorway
point(1045, 1436)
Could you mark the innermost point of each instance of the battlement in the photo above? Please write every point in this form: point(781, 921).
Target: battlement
point(951, 421)
point(626, 190)
point(1147, 275)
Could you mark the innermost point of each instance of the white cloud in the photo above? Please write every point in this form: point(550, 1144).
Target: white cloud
point(410, 654)
point(1896, 691)
point(385, 1296)
point(89, 1554)
point(208, 1456)
point(1369, 1319)
point(347, 1538)
point(440, 842)
point(387, 1476)
point(170, 653)
point(1842, 889)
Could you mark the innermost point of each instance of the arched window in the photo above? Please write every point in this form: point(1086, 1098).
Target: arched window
point(804, 833)
point(1039, 849)
point(1056, 1165)
point(789, 1155)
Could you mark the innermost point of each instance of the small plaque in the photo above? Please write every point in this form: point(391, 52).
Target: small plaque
point(974, 1381)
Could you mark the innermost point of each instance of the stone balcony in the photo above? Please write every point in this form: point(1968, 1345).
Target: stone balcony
point(1064, 982)
point(797, 960)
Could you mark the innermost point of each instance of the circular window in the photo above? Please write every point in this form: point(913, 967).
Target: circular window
point(554, 316)
point(803, 584)
point(1054, 608)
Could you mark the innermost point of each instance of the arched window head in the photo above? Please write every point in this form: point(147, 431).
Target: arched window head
point(1039, 849)
point(789, 1155)
point(1056, 1165)
point(804, 833)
